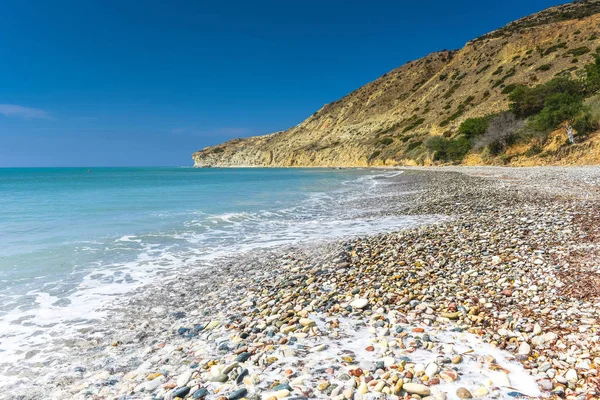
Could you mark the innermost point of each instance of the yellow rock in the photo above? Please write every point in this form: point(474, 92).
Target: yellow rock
point(307, 322)
point(362, 389)
point(211, 325)
point(398, 387)
point(450, 315)
point(153, 376)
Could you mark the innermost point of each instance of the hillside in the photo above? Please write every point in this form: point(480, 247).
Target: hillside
point(390, 120)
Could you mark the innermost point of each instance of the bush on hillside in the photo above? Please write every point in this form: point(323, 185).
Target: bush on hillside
point(592, 79)
point(526, 101)
point(585, 124)
point(558, 108)
point(386, 141)
point(500, 132)
point(472, 127)
point(444, 149)
point(544, 67)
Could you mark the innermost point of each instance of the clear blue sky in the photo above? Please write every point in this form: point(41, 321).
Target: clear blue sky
point(119, 83)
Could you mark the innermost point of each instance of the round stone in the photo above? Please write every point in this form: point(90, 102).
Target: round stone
point(238, 394)
point(449, 375)
point(431, 370)
point(524, 349)
point(416, 388)
point(359, 303)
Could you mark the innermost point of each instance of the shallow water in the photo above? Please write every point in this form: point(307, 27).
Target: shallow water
point(72, 240)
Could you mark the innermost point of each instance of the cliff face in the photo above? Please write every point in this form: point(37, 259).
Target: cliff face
point(383, 121)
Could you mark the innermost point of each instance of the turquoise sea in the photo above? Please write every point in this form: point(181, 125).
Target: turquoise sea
point(72, 240)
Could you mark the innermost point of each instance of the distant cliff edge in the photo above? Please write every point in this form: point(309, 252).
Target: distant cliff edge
point(450, 106)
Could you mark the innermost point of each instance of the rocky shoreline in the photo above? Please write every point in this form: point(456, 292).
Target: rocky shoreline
point(499, 301)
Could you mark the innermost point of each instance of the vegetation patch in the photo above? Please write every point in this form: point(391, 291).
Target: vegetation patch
point(498, 70)
point(386, 141)
point(374, 155)
point(498, 134)
point(485, 68)
point(413, 145)
point(544, 67)
point(509, 88)
point(501, 81)
point(552, 49)
point(445, 149)
point(413, 125)
point(451, 91)
point(579, 51)
point(473, 127)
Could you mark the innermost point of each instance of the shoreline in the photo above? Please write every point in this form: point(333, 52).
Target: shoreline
point(372, 316)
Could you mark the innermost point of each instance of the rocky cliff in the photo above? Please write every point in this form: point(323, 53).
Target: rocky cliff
point(386, 121)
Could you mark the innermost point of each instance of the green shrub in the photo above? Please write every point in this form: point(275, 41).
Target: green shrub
point(509, 88)
point(374, 155)
point(218, 150)
point(459, 111)
point(501, 81)
point(386, 141)
point(472, 127)
point(526, 101)
point(554, 48)
point(593, 107)
point(533, 150)
point(592, 78)
point(579, 51)
point(414, 145)
point(413, 125)
point(544, 67)
point(485, 67)
point(451, 91)
point(458, 148)
point(558, 107)
point(585, 124)
point(448, 149)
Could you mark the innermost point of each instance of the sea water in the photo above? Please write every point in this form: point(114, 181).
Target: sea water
point(73, 239)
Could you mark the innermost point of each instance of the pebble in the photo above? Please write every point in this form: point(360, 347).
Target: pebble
point(524, 349)
point(449, 375)
point(463, 393)
point(181, 392)
point(359, 303)
point(242, 357)
point(238, 394)
point(416, 388)
point(184, 378)
point(200, 393)
point(431, 369)
point(267, 329)
point(571, 375)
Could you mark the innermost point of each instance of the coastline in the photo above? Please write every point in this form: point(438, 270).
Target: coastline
point(373, 316)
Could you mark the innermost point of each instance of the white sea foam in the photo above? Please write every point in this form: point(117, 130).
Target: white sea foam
point(133, 260)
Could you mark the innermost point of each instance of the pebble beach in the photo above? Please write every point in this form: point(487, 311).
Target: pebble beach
point(497, 297)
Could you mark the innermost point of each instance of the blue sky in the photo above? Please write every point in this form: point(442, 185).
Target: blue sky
point(120, 83)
